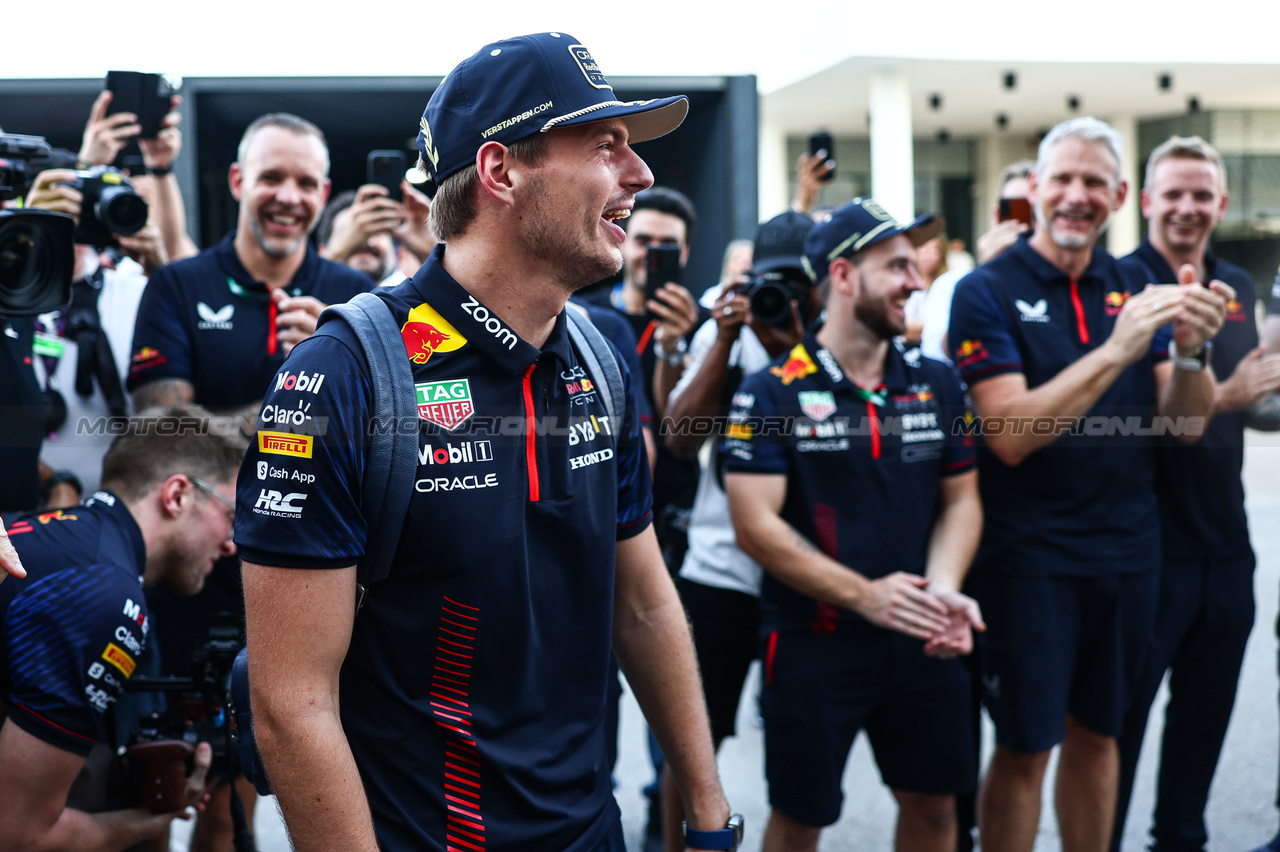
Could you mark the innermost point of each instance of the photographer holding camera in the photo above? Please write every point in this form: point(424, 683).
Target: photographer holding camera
point(73, 628)
point(718, 583)
point(105, 136)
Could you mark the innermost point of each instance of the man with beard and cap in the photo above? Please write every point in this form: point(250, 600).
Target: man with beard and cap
point(851, 485)
point(214, 329)
point(462, 705)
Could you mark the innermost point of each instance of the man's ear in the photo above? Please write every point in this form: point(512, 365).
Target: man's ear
point(1122, 192)
point(498, 171)
point(844, 277)
point(235, 179)
point(174, 494)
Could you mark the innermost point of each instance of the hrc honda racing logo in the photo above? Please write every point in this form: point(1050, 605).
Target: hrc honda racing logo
point(276, 505)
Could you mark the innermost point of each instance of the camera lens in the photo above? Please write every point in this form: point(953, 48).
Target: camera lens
point(22, 263)
point(121, 210)
point(36, 261)
point(771, 303)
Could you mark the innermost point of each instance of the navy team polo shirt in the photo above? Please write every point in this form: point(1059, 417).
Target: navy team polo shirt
point(208, 321)
point(74, 626)
point(474, 693)
point(862, 467)
point(1085, 504)
point(1198, 486)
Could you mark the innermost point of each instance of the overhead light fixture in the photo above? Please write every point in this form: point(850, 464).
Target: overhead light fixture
point(1073, 103)
point(1002, 120)
point(935, 101)
point(1165, 81)
point(1010, 80)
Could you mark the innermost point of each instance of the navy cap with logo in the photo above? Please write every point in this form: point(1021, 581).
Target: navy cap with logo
point(858, 225)
point(514, 88)
point(779, 243)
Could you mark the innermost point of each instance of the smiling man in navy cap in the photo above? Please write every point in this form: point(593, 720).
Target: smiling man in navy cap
point(473, 681)
point(849, 483)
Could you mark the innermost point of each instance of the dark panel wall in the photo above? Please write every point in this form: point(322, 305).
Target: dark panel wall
point(712, 157)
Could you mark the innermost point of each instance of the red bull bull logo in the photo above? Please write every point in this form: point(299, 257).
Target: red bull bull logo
point(1235, 311)
point(797, 366)
point(426, 333)
point(968, 347)
point(1115, 301)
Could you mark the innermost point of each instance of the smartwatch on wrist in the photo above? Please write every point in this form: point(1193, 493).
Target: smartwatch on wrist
point(729, 837)
point(1192, 363)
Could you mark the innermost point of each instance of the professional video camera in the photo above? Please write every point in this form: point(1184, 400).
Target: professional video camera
point(771, 293)
point(159, 751)
point(37, 249)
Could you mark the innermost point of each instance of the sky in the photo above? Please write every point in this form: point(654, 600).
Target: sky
point(778, 42)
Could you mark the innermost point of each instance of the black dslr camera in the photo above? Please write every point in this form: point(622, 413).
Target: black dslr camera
point(37, 251)
point(159, 751)
point(771, 294)
point(110, 207)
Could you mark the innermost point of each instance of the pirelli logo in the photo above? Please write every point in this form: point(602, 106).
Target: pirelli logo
point(285, 444)
point(116, 656)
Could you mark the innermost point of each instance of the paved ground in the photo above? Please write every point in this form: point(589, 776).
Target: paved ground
point(1241, 811)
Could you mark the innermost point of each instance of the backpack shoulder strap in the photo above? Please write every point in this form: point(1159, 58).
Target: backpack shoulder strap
point(392, 458)
point(599, 361)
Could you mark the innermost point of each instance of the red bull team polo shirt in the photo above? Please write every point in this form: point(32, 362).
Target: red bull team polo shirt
point(862, 465)
point(474, 694)
point(1085, 504)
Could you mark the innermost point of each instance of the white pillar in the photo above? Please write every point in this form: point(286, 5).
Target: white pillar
point(773, 169)
point(892, 159)
point(1125, 232)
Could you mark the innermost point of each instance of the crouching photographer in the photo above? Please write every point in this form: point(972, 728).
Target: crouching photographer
point(74, 627)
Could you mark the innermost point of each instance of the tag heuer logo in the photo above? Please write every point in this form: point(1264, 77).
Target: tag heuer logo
point(817, 405)
point(589, 67)
point(446, 403)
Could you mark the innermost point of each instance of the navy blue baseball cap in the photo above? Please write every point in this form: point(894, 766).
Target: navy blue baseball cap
point(857, 225)
point(514, 88)
point(779, 243)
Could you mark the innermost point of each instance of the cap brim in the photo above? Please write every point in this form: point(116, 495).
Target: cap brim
point(924, 228)
point(645, 119)
point(773, 264)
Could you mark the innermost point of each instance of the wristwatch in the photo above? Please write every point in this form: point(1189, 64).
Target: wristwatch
point(1194, 363)
point(729, 837)
point(675, 358)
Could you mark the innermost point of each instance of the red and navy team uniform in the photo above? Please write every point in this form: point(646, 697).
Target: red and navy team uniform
point(1206, 605)
point(1070, 549)
point(474, 690)
point(863, 472)
point(74, 627)
point(208, 321)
